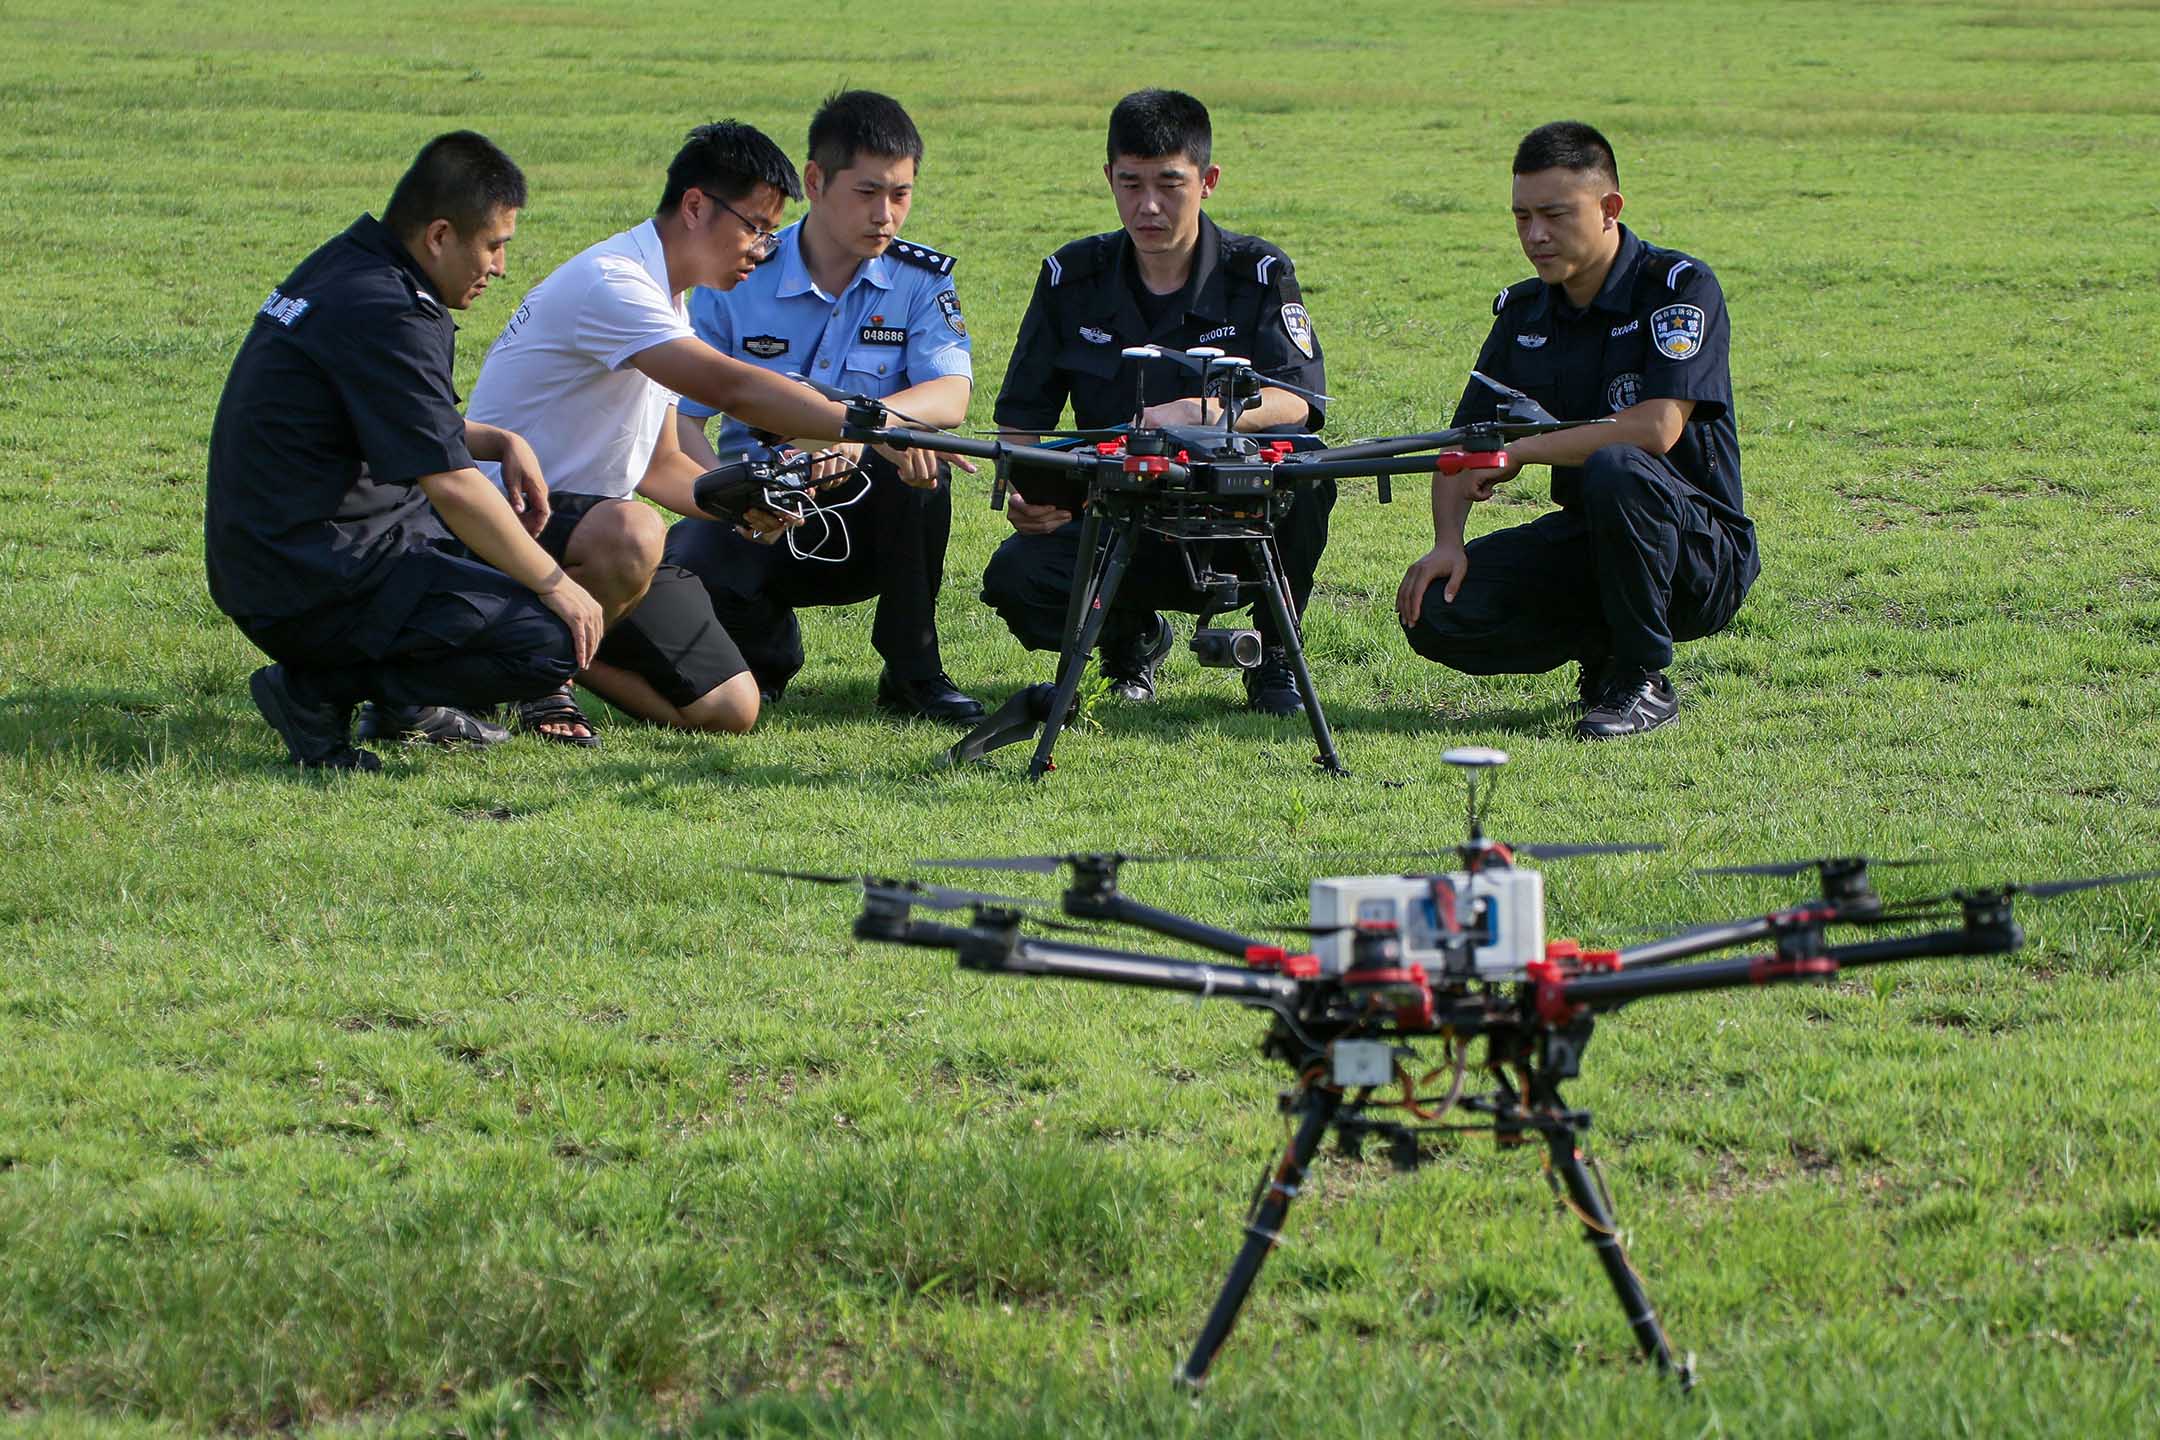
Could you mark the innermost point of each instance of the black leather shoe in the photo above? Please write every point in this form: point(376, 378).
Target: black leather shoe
point(443, 725)
point(1271, 688)
point(1634, 701)
point(927, 697)
point(1130, 664)
point(315, 732)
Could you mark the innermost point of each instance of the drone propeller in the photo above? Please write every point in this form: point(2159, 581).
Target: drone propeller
point(1051, 864)
point(2045, 890)
point(1794, 867)
point(934, 897)
point(1536, 852)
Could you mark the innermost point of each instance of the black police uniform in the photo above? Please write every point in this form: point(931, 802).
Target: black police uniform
point(1243, 299)
point(318, 542)
point(1644, 549)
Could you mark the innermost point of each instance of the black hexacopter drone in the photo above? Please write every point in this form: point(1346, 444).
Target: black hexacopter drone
point(1198, 486)
point(1447, 960)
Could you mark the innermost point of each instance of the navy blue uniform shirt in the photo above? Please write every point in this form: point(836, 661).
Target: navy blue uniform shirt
point(1242, 298)
point(1656, 331)
point(339, 400)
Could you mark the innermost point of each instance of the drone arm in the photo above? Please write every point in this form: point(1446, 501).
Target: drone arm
point(1155, 972)
point(1695, 942)
point(1606, 992)
point(1124, 911)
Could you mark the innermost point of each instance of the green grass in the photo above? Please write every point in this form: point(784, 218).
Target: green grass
point(475, 1097)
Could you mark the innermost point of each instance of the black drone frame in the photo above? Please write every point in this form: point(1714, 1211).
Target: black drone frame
point(1198, 487)
point(1348, 1038)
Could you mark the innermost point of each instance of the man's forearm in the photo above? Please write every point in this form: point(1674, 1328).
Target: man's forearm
point(941, 402)
point(1653, 425)
point(1278, 409)
point(754, 396)
point(670, 481)
point(1450, 510)
point(485, 442)
point(478, 515)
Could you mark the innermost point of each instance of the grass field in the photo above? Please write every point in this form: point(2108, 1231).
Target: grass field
point(476, 1098)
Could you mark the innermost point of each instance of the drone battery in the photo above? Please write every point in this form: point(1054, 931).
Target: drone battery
point(1490, 925)
point(1362, 1062)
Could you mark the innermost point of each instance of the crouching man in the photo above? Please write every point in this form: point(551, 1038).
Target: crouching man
point(1650, 544)
point(337, 430)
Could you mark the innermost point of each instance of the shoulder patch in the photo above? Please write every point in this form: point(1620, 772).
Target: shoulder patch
point(922, 257)
point(1080, 259)
point(1677, 331)
point(1519, 291)
point(1680, 268)
point(1499, 301)
point(283, 309)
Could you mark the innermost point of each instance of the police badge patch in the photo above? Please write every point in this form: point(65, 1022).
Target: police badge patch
point(1623, 391)
point(765, 347)
point(1298, 325)
point(949, 302)
point(1677, 331)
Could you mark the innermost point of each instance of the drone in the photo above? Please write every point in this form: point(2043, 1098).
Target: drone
point(1200, 487)
point(1454, 963)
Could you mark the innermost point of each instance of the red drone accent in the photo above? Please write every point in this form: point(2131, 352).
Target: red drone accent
point(1552, 1005)
point(1601, 959)
point(1276, 451)
point(1147, 464)
point(1563, 949)
point(1454, 462)
point(1109, 447)
point(1770, 968)
point(1275, 957)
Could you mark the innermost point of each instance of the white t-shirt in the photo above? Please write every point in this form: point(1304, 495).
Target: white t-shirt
point(560, 372)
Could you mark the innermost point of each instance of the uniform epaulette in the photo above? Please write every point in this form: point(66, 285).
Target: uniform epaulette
point(1515, 291)
point(922, 257)
point(1681, 265)
point(1256, 257)
point(1078, 260)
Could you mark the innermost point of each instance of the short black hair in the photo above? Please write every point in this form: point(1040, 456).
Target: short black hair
point(1152, 123)
point(462, 177)
point(1567, 145)
point(861, 122)
point(727, 159)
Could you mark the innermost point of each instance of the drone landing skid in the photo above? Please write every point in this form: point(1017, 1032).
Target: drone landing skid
point(1085, 614)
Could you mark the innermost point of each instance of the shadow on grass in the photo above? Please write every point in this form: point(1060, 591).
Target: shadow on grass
point(118, 729)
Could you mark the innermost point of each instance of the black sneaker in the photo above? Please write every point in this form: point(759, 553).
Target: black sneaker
point(1129, 664)
point(315, 732)
point(1634, 701)
point(1271, 687)
point(443, 725)
point(927, 697)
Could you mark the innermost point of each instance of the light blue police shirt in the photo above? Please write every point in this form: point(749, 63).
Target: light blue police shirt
point(897, 324)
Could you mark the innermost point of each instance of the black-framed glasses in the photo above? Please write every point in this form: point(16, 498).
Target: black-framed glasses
point(768, 241)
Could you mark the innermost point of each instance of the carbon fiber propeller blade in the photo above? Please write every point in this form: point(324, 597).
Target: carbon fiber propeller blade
point(2045, 889)
point(1794, 867)
point(936, 897)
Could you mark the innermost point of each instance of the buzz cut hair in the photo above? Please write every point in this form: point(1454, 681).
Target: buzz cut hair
point(1568, 145)
point(730, 160)
point(854, 123)
point(462, 177)
point(1149, 124)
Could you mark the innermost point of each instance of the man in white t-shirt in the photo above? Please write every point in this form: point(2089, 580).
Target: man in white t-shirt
point(589, 370)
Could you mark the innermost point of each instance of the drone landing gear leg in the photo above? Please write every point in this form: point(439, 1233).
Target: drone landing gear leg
point(1083, 626)
point(1276, 588)
point(1317, 1111)
point(1587, 1200)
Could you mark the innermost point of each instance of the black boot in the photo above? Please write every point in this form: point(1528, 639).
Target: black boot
point(1129, 662)
point(316, 732)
